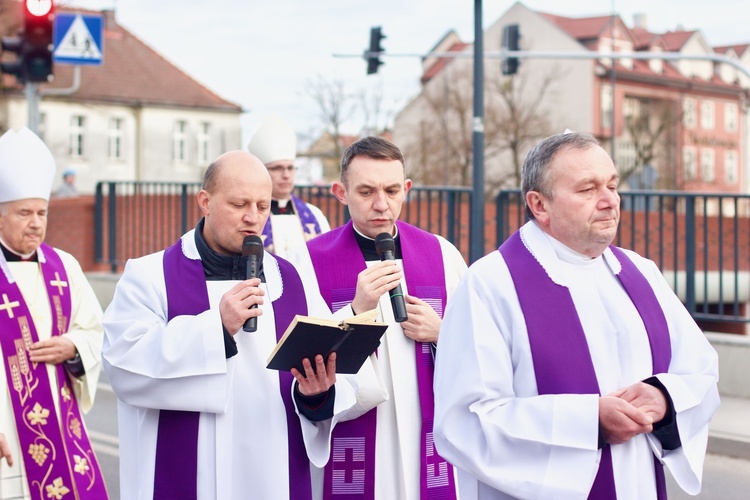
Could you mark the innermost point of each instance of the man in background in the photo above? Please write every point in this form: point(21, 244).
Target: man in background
point(50, 339)
point(292, 221)
point(68, 188)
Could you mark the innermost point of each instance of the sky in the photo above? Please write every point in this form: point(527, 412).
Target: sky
point(263, 55)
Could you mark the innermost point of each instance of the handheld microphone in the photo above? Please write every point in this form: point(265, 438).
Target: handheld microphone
point(386, 249)
point(252, 248)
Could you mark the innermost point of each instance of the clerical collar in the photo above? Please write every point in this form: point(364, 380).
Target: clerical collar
point(219, 267)
point(367, 245)
point(12, 256)
point(567, 254)
point(282, 207)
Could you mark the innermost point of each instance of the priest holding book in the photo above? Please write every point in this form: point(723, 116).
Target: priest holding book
point(187, 338)
point(388, 452)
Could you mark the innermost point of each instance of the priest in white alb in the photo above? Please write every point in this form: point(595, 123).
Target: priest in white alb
point(292, 221)
point(50, 340)
point(387, 453)
point(567, 367)
point(200, 415)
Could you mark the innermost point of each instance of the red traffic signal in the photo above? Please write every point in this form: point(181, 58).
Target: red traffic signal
point(38, 40)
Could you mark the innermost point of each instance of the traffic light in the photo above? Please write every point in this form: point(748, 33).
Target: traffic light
point(372, 56)
point(33, 46)
point(38, 42)
point(13, 44)
point(510, 42)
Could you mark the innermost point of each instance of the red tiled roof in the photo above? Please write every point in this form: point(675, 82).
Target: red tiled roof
point(675, 40)
point(133, 73)
point(669, 72)
point(440, 63)
point(643, 38)
point(738, 49)
point(583, 28)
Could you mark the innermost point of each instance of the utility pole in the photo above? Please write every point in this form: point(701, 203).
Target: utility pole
point(31, 91)
point(476, 243)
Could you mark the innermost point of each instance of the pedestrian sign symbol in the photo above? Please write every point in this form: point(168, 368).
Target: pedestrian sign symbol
point(78, 39)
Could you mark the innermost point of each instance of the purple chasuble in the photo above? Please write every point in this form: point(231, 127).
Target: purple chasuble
point(574, 372)
point(350, 473)
point(310, 225)
point(176, 468)
point(57, 454)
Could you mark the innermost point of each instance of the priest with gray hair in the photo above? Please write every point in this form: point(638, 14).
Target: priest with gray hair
point(50, 339)
point(567, 367)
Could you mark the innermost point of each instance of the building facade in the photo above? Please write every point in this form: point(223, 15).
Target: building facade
point(675, 125)
point(135, 117)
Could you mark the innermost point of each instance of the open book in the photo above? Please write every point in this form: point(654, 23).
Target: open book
point(353, 340)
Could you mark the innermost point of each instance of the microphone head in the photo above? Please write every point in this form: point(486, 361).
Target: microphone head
point(252, 245)
point(384, 243)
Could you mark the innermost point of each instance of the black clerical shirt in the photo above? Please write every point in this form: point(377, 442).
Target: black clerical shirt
point(218, 267)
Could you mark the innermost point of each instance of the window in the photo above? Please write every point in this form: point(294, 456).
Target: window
point(115, 139)
point(707, 115)
point(607, 106)
point(688, 113)
point(179, 141)
point(77, 136)
point(730, 117)
point(688, 164)
point(707, 165)
point(731, 167)
point(204, 138)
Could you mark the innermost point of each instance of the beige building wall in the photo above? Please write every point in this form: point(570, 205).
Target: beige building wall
point(146, 139)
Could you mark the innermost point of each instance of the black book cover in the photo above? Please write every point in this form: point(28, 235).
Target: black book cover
point(353, 340)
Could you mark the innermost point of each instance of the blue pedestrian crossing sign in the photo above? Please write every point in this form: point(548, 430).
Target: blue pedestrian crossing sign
point(78, 39)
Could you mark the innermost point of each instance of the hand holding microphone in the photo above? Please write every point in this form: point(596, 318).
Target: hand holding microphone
point(252, 248)
point(386, 249)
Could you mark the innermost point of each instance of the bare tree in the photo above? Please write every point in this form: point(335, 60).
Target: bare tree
point(514, 120)
point(376, 117)
point(647, 123)
point(445, 134)
point(336, 106)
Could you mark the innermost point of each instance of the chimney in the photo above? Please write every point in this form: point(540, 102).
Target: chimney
point(639, 21)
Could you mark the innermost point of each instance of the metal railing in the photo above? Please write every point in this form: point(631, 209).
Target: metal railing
point(700, 242)
point(137, 218)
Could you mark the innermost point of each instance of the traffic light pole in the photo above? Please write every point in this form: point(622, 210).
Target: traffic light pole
point(476, 243)
point(31, 90)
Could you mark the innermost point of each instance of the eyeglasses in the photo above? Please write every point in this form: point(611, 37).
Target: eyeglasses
point(281, 168)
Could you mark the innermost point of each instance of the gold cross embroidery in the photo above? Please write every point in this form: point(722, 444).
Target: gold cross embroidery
point(7, 305)
point(59, 284)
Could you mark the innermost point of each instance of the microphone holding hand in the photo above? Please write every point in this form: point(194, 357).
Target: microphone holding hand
point(386, 249)
point(252, 248)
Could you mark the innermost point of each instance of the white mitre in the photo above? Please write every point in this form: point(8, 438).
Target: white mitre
point(275, 140)
point(27, 168)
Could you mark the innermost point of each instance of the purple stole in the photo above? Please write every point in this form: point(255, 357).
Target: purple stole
point(350, 473)
point(310, 225)
point(176, 468)
point(57, 454)
point(576, 375)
